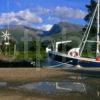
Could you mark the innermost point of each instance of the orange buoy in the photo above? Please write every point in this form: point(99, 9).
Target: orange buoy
point(98, 59)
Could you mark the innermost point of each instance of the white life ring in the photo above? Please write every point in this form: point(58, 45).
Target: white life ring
point(74, 54)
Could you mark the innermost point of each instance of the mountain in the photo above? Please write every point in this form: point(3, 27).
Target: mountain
point(70, 26)
point(63, 27)
point(17, 31)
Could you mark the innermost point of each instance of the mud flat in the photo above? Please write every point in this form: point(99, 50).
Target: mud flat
point(14, 80)
point(32, 74)
point(37, 95)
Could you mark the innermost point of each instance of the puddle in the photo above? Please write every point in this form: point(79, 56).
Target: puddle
point(55, 87)
point(59, 88)
point(3, 84)
point(48, 87)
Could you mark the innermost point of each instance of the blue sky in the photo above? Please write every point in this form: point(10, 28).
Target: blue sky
point(42, 13)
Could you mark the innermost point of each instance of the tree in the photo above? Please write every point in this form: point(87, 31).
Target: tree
point(9, 49)
point(90, 48)
point(37, 52)
point(91, 8)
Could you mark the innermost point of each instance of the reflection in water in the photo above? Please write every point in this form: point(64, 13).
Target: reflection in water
point(85, 87)
point(3, 84)
point(71, 86)
point(53, 87)
point(48, 87)
point(53, 64)
point(66, 87)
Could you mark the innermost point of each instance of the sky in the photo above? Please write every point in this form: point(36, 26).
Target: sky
point(42, 14)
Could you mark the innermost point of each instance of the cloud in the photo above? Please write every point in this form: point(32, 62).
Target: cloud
point(61, 12)
point(54, 19)
point(41, 14)
point(68, 12)
point(45, 27)
point(20, 18)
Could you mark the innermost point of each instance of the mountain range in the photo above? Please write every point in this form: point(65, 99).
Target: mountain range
point(17, 31)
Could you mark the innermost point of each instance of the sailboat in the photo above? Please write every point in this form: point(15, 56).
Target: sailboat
point(74, 56)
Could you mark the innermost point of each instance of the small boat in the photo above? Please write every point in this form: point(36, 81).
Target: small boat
point(74, 55)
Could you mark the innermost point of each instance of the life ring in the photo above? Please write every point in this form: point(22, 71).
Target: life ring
point(74, 54)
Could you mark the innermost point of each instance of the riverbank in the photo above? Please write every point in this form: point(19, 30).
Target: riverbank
point(32, 74)
point(41, 74)
point(16, 94)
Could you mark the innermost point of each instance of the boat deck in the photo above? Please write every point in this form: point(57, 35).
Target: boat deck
point(87, 59)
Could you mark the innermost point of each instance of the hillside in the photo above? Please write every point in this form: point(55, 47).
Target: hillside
point(17, 32)
point(65, 26)
point(68, 31)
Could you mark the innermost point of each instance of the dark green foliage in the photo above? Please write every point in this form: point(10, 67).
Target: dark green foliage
point(90, 48)
point(75, 37)
point(8, 48)
point(91, 7)
point(35, 51)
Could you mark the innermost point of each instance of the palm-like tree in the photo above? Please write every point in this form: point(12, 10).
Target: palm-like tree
point(8, 44)
point(6, 37)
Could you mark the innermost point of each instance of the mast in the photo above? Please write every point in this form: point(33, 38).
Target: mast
point(98, 31)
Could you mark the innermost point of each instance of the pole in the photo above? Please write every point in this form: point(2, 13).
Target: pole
point(98, 28)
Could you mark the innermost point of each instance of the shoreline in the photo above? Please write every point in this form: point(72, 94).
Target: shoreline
point(32, 74)
point(25, 75)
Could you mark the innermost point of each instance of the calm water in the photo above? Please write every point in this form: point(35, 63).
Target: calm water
point(61, 87)
point(87, 88)
point(53, 64)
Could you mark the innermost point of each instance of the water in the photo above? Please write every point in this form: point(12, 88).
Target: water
point(56, 87)
point(87, 88)
point(90, 87)
point(54, 64)
point(3, 84)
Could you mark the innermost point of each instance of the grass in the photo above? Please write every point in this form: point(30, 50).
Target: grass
point(88, 55)
point(30, 55)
